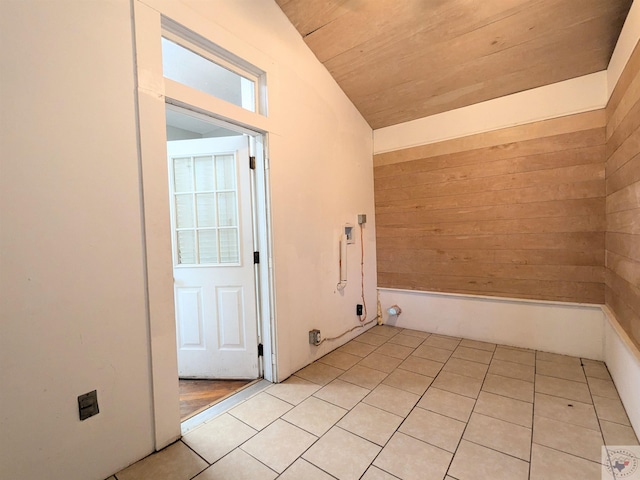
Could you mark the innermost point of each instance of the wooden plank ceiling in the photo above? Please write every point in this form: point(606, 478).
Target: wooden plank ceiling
point(399, 60)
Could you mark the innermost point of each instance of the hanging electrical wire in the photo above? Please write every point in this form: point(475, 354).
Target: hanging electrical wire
point(363, 317)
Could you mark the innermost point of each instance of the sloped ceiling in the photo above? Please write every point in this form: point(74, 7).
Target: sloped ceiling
point(399, 60)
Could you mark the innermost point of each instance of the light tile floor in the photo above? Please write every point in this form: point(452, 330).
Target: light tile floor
point(396, 403)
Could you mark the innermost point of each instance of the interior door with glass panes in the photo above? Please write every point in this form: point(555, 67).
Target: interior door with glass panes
point(214, 280)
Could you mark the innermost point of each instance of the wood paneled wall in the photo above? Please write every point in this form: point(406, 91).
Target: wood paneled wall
point(623, 200)
point(518, 212)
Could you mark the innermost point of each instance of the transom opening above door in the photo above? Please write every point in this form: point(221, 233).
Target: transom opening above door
point(197, 63)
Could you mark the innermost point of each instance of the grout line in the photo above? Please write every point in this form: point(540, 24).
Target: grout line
point(475, 402)
point(533, 410)
point(604, 445)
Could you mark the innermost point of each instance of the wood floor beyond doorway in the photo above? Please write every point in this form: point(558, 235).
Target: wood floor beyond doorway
point(196, 395)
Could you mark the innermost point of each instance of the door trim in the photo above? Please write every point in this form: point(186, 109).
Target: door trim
point(155, 225)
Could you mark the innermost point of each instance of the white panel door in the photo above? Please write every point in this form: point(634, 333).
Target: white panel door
point(213, 271)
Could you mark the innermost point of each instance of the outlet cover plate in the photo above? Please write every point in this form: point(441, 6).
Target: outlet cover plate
point(88, 405)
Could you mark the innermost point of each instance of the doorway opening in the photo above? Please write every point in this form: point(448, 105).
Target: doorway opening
point(217, 231)
point(198, 395)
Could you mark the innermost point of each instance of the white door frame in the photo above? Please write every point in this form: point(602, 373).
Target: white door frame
point(152, 94)
point(262, 230)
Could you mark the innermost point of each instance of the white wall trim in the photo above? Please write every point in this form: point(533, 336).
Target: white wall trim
point(623, 361)
point(573, 96)
point(625, 45)
point(538, 325)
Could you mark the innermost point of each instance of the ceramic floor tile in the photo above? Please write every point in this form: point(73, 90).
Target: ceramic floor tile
point(508, 387)
point(616, 434)
point(454, 383)
point(554, 357)
point(603, 388)
point(360, 399)
point(447, 343)
point(394, 350)
point(406, 340)
point(432, 353)
point(261, 410)
point(371, 339)
point(279, 445)
point(561, 370)
point(176, 462)
point(473, 354)
point(499, 435)
point(377, 361)
point(371, 423)
point(547, 463)
point(386, 330)
point(357, 348)
point(422, 366)
point(412, 459)
point(239, 466)
point(569, 411)
point(433, 428)
point(214, 439)
point(505, 408)
point(512, 370)
point(374, 473)
point(475, 462)
point(342, 394)
point(466, 368)
point(611, 410)
point(489, 347)
point(446, 403)
point(525, 357)
point(315, 416)
point(319, 373)
point(340, 360)
point(559, 387)
point(573, 439)
point(416, 333)
point(409, 381)
point(363, 376)
point(293, 390)
point(392, 400)
point(301, 469)
point(595, 369)
point(342, 454)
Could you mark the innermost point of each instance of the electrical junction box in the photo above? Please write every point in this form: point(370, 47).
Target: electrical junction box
point(314, 337)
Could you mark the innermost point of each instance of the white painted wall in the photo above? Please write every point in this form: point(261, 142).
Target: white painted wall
point(72, 287)
point(546, 326)
point(74, 313)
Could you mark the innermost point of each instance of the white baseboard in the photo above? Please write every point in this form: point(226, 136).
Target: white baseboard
point(623, 361)
point(566, 328)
